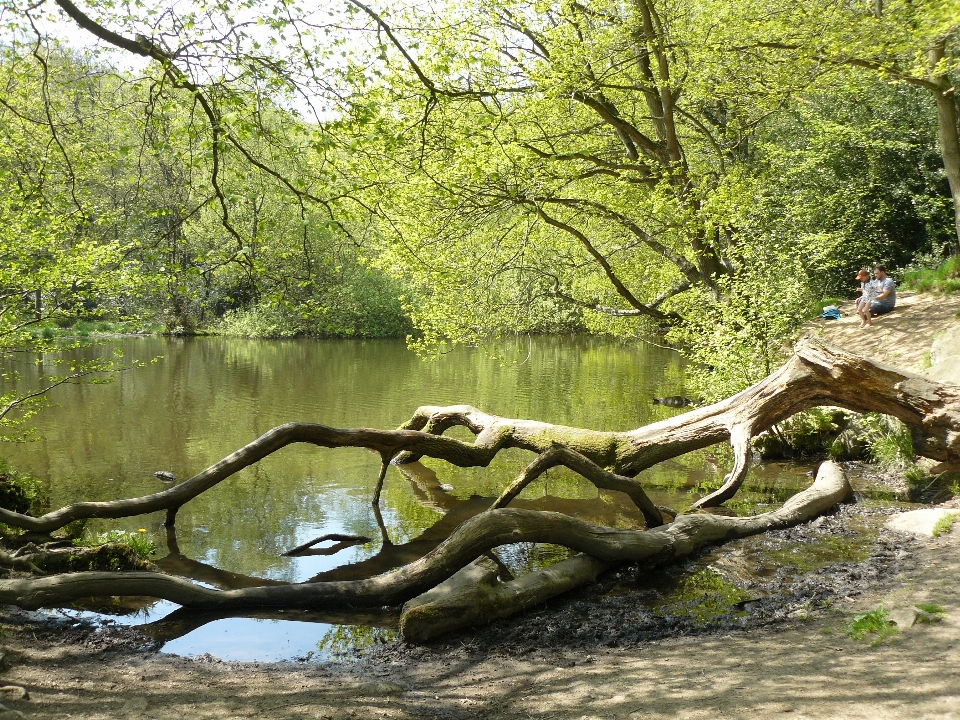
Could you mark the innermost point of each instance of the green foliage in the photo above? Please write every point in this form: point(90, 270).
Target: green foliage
point(367, 305)
point(871, 623)
point(945, 277)
point(944, 525)
point(741, 338)
point(812, 432)
point(714, 167)
point(888, 441)
point(139, 542)
point(22, 492)
point(932, 608)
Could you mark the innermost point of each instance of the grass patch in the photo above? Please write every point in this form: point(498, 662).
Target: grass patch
point(944, 525)
point(888, 441)
point(139, 542)
point(943, 278)
point(932, 608)
point(926, 488)
point(871, 623)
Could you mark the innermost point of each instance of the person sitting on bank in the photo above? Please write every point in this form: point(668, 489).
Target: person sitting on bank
point(867, 291)
point(885, 299)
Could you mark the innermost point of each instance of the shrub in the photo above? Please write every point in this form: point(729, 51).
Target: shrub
point(139, 542)
point(21, 492)
point(888, 441)
point(945, 277)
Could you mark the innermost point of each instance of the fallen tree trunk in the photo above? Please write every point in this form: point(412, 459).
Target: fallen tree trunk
point(686, 535)
point(817, 374)
point(475, 596)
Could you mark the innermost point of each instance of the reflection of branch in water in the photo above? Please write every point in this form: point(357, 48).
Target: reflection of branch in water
point(430, 493)
point(343, 541)
point(427, 487)
point(176, 563)
point(183, 621)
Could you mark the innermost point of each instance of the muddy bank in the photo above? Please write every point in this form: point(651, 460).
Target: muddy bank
point(809, 669)
point(786, 575)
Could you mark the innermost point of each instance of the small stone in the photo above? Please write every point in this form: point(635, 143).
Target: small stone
point(376, 689)
point(903, 618)
point(14, 692)
point(927, 618)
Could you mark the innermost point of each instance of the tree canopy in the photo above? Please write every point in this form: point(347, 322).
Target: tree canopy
point(708, 169)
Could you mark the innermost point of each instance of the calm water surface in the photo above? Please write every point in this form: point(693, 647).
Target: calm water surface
point(205, 397)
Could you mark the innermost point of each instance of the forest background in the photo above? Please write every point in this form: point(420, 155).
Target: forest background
point(705, 172)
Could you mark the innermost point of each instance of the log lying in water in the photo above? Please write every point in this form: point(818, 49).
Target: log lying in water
point(474, 596)
point(817, 374)
point(686, 535)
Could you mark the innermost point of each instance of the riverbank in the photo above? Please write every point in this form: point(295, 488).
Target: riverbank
point(902, 338)
point(807, 667)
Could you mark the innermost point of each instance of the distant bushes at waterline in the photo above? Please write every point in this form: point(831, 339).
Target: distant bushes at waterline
point(368, 307)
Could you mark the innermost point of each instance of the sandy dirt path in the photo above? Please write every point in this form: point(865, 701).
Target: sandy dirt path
point(901, 338)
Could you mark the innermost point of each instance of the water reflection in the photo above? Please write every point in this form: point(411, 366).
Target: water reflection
point(210, 396)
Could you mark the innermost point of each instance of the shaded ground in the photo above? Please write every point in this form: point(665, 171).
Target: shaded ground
point(809, 669)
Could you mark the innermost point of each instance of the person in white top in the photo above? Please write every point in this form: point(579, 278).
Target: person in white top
point(883, 297)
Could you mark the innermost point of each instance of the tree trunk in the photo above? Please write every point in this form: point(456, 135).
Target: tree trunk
point(948, 131)
point(474, 596)
point(686, 535)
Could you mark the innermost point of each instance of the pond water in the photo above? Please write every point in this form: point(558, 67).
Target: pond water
point(205, 397)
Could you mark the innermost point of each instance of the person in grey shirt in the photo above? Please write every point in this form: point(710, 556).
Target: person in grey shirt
point(886, 297)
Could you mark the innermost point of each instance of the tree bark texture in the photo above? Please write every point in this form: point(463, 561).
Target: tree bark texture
point(503, 526)
point(948, 129)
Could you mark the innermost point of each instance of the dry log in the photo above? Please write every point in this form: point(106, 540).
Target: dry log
point(473, 538)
